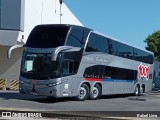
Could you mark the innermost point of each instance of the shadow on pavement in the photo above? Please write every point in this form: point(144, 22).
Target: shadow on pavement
point(116, 96)
point(7, 95)
point(42, 99)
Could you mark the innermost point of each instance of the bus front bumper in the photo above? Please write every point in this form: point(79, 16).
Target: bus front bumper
point(43, 91)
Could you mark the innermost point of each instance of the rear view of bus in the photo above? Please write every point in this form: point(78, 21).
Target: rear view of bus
point(74, 61)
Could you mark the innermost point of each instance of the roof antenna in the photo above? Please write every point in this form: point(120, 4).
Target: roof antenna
point(60, 1)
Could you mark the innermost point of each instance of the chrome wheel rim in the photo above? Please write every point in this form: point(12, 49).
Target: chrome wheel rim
point(82, 92)
point(95, 92)
point(141, 89)
point(136, 91)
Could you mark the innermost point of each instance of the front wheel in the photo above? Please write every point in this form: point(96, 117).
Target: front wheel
point(83, 93)
point(95, 93)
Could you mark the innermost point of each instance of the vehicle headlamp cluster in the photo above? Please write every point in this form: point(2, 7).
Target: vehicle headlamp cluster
point(57, 82)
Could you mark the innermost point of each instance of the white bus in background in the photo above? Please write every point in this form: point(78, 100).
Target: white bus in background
point(74, 61)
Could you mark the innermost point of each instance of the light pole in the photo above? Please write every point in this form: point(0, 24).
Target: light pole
point(60, 1)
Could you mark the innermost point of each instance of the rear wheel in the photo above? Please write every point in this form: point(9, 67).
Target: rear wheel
point(83, 93)
point(141, 90)
point(137, 90)
point(95, 93)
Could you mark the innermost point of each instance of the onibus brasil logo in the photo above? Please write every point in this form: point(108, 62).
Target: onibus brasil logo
point(143, 71)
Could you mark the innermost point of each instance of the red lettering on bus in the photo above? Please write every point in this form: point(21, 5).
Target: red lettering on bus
point(143, 71)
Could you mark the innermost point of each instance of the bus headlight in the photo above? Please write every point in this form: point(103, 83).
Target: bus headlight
point(56, 82)
point(21, 82)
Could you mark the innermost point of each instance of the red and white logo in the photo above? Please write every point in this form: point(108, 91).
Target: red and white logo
point(143, 71)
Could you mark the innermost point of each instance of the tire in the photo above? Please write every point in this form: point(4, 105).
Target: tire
point(83, 93)
point(137, 90)
point(95, 93)
point(141, 90)
point(153, 86)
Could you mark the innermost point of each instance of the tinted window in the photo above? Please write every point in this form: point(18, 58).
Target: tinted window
point(97, 43)
point(47, 36)
point(123, 74)
point(71, 61)
point(143, 56)
point(40, 66)
point(92, 72)
point(69, 67)
point(110, 46)
point(122, 50)
point(75, 38)
point(85, 35)
point(74, 55)
point(100, 71)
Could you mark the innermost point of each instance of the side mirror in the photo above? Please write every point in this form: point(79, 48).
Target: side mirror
point(11, 49)
point(65, 49)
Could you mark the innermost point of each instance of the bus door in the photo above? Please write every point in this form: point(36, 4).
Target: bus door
point(69, 69)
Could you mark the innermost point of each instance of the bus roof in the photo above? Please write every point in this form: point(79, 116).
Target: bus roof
point(69, 25)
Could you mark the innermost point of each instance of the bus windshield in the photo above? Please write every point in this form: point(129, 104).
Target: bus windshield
point(40, 66)
point(47, 36)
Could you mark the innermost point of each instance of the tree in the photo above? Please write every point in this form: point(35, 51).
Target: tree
point(153, 44)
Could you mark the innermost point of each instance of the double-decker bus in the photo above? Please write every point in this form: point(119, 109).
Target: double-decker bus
point(73, 61)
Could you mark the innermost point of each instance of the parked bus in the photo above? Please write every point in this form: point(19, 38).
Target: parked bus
point(73, 61)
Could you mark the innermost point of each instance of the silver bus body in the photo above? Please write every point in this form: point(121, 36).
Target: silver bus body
point(92, 69)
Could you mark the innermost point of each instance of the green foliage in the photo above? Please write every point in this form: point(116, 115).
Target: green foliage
point(153, 43)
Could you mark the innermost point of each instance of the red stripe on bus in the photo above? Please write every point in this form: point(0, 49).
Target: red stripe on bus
point(93, 79)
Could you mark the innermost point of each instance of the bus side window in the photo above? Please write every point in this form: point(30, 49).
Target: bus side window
point(97, 43)
point(69, 67)
point(66, 68)
point(108, 72)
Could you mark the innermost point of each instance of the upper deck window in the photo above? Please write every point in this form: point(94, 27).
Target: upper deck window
point(97, 43)
point(47, 36)
point(75, 38)
point(143, 56)
point(122, 50)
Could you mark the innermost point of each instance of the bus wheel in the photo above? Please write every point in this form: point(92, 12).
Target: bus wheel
point(95, 93)
point(137, 90)
point(83, 92)
point(141, 90)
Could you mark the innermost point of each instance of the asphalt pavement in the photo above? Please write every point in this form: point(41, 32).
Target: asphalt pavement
point(107, 107)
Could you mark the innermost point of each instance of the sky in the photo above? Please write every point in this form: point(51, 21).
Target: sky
point(130, 21)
